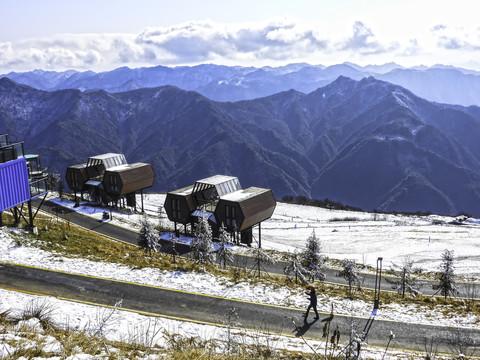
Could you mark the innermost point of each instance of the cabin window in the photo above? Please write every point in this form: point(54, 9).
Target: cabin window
point(75, 182)
point(176, 214)
point(114, 183)
point(230, 215)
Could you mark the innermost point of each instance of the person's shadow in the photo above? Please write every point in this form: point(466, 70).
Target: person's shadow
point(306, 326)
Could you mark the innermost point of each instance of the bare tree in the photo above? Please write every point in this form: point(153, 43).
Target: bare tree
point(224, 251)
point(61, 189)
point(105, 316)
point(354, 345)
point(160, 216)
point(296, 268)
point(52, 180)
point(431, 348)
point(174, 242)
point(446, 276)
point(349, 273)
point(471, 290)
point(262, 257)
point(461, 342)
point(406, 283)
point(231, 321)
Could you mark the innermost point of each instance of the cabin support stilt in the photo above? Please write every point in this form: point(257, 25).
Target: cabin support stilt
point(30, 215)
point(16, 217)
point(260, 235)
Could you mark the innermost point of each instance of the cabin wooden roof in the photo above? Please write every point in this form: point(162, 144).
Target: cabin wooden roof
point(127, 167)
point(244, 194)
point(133, 177)
point(108, 160)
point(217, 179)
point(256, 204)
point(183, 191)
point(223, 184)
point(78, 166)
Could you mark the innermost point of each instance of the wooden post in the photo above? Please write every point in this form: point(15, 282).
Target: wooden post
point(141, 194)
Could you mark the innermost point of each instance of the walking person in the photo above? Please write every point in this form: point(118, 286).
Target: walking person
point(313, 303)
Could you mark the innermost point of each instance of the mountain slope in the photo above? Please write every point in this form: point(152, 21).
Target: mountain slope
point(366, 143)
point(444, 85)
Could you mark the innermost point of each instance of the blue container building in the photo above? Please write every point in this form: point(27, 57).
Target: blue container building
point(21, 180)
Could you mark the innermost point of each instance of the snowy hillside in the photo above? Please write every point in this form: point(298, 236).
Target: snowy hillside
point(360, 236)
point(349, 235)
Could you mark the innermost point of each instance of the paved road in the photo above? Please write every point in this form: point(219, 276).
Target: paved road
point(126, 235)
point(209, 309)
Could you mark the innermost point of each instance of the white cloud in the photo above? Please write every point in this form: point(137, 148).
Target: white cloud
point(457, 38)
point(194, 42)
point(364, 41)
point(272, 42)
point(412, 49)
point(204, 41)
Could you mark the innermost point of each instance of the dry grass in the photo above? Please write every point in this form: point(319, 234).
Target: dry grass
point(31, 342)
point(84, 244)
point(66, 240)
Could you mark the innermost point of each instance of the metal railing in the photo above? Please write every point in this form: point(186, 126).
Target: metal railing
point(11, 152)
point(38, 187)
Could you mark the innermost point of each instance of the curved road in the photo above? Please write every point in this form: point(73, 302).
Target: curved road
point(187, 306)
point(129, 236)
point(208, 309)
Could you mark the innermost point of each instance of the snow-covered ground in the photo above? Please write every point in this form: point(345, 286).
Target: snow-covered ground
point(209, 284)
point(130, 327)
point(360, 236)
point(363, 237)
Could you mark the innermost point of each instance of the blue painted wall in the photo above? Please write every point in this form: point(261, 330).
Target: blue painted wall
point(14, 185)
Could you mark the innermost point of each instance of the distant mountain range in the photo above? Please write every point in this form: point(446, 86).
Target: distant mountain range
point(443, 84)
point(367, 143)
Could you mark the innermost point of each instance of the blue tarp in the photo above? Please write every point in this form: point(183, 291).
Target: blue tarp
point(206, 214)
point(14, 184)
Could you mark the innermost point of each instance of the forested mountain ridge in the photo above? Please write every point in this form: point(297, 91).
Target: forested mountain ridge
point(366, 143)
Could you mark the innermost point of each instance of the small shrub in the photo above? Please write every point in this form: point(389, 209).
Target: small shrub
point(344, 219)
point(40, 310)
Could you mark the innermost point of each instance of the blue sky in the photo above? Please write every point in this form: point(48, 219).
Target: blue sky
point(105, 34)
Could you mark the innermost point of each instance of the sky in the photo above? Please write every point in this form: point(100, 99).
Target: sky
point(101, 35)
